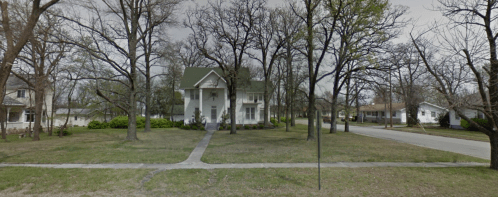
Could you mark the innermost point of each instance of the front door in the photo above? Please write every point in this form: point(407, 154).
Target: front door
point(213, 114)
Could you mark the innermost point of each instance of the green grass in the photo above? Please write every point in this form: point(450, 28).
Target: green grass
point(392, 181)
point(278, 146)
point(454, 133)
point(102, 146)
point(19, 181)
point(478, 181)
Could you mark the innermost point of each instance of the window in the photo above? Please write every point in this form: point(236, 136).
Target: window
point(254, 97)
point(383, 114)
point(433, 114)
point(76, 118)
point(480, 115)
point(21, 93)
point(30, 115)
point(457, 117)
point(250, 97)
point(369, 113)
point(423, 113)
point(394, 114)
point(250, 113)
point(261, 97)
point(261, 114)
point(194, 94)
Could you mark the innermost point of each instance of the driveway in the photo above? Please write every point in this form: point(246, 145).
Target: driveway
point(466, 147)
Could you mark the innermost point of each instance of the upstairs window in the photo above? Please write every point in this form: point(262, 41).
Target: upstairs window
point(423, 113)
point(194, 94)
point(254, 97)
point(21, 93)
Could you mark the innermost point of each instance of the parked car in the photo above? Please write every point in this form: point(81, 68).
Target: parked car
point(326, 119)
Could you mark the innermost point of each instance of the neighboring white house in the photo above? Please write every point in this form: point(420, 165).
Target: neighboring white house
point(375, 112)
point(77, 117)
point(19, 103)
point(178, 113)
point(455, 119)
point(206, 91)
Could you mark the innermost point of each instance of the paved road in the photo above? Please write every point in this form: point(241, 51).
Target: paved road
point(466, 147)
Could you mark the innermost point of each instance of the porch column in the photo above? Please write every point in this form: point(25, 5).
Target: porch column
point(200, 101)
point(8, 112)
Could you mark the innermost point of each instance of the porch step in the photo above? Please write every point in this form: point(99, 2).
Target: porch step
point(212, 126)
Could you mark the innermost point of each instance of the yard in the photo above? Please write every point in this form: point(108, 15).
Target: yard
point(278, 146)
point(475, 181)
point(102, 146)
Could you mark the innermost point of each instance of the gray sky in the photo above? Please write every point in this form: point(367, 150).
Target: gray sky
point(419, 10)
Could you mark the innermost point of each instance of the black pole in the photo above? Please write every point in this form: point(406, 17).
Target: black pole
point(318, 131)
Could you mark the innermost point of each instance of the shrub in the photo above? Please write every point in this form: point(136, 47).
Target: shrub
point(64, 133)
point(254, 126)
point(276, 124)
point(261, 126)
point(194, 127)
point(203, 129)
point(229, 127)
point(283, 119)
point(273, 121)
point(97, 125)
point(140, 122)
point(468, 126)
point(224, 118)
point(444, 120)
point(221, 128)
point(238, 127)
point(179, 123)
point(246, 127)
point(120, 122)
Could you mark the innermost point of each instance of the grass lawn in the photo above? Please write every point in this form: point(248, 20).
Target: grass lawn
point(278, 146)
point(102, 146)
point(454, 133)
point(335, 182)
point(472, 181)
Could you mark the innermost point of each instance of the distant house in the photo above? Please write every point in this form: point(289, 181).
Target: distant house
point(375, 112)
point(178, 113)
point(19, 103)
point(206, 91)
point(77, 117)
point(470, 113)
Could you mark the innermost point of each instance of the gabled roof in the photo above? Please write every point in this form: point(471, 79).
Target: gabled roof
point(381, 106)
point(192, 76)
point(7, 101)
point(76, 111)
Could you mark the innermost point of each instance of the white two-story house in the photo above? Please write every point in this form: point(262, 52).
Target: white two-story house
point(19, 104)
point(206, 91)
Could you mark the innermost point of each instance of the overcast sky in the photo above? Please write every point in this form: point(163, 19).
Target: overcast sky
point(419, 10)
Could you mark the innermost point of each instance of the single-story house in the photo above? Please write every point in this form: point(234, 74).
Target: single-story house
point(455, 118)
point(427, 113)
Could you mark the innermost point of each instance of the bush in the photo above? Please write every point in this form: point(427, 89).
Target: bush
point(276, 124)
point(203, 129)
point(160, 123)
point(246, 127)
point(194, 127)
point(221, 128)
point(283, 119)
point(273, 121)
point(97, 125)
point(261, 126)
point(254, 127)
point(229, 127)
point(64, 133)
point(120, 122)
point(179, 123)
point(468, 126)
point(238, 127)
point(444, 120)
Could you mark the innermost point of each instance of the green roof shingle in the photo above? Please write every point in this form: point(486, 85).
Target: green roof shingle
point(192, 75)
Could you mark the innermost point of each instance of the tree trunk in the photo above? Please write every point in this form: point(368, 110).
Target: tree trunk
point(147, 97)
point(279, 103)
point(346, 119)
point(38, 107)
point(232, 88)
point(333, 115)
point(493, 140)
point(311, 115)
point(266, 96)
point(357, 101)
point(411, 114)
point(172, 102)
point(3, 120)
point(132, 117)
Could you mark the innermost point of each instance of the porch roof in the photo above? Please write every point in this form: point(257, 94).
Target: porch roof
point(7, 101)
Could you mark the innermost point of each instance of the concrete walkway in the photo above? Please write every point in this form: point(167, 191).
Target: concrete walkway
point(466, 147)
point(248, 165)
point(196, 155)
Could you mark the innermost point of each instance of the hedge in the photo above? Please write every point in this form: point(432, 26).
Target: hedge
point(468, 126)
point(121, 122)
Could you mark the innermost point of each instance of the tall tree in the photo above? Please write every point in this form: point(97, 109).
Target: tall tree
point(223, 33)
point(470, 37)
point(17, 32)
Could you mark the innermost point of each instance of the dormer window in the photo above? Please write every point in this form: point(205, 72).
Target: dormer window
point(21, 93)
